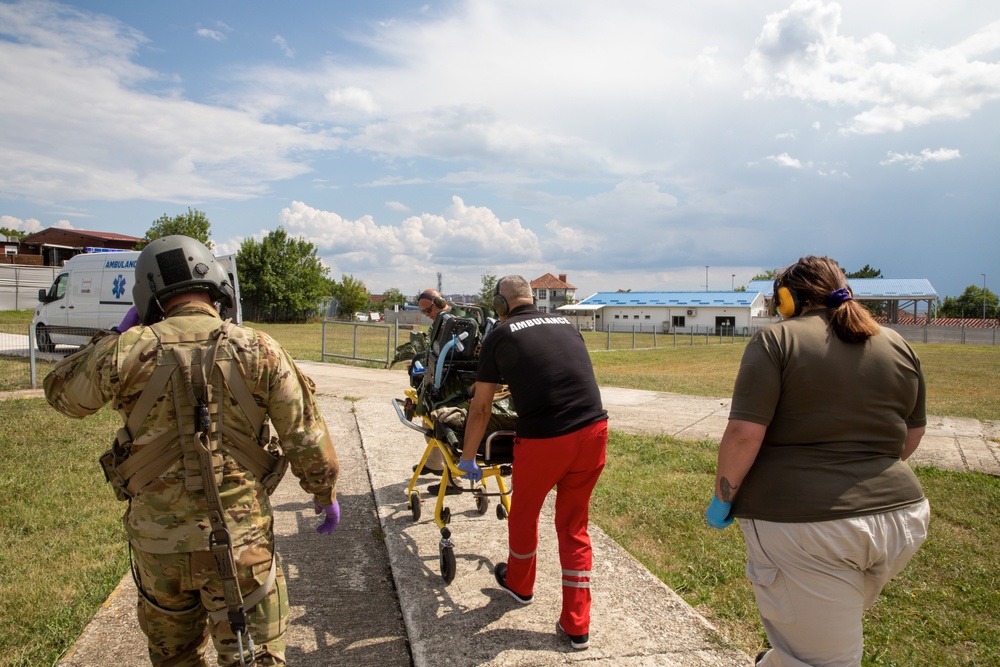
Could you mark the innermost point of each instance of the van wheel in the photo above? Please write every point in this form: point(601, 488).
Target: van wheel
point(43, 339)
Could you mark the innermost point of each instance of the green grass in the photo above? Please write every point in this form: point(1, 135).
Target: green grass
point(16, 318)
point(940, 611)
point(62, 547)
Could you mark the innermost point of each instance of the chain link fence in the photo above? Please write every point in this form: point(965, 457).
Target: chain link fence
point(22, 363)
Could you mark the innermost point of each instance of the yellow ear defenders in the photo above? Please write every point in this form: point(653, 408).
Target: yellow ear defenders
point(785, 300)
point(500, 305)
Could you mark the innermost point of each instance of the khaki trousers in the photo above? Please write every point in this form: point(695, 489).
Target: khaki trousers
point(813, 581)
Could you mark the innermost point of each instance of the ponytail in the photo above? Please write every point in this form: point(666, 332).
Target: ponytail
point(819, 281)
point(852, 323)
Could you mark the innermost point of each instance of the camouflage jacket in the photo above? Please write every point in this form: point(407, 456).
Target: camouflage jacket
point(165, 516)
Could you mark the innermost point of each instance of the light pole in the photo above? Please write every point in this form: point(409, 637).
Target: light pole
point(732, 284)
point(984, 298)
point(706, 278)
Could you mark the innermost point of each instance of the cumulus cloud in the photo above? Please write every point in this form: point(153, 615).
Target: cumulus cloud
point(785, 160)
point(917, 162)
point(165, 147)
point(29, 226)
point(352, 99)
point(218, 34)
point(801, 53)
point(283, 45)
point(461, 236)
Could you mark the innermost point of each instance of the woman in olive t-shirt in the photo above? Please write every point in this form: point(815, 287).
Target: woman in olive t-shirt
point(827, 407)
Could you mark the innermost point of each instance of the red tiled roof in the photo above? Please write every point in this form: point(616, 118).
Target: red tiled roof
point(549, 281)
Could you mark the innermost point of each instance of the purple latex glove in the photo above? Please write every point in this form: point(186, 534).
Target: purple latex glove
point(332, 517)
point(474, 472)
point(130, 320)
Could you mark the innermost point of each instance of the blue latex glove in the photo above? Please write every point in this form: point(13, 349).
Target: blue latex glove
point(130, 320)
point(717, 514)
point(332, 517)
point(474, 472)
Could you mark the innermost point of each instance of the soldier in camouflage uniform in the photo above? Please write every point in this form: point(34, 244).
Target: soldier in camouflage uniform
point(181, 596)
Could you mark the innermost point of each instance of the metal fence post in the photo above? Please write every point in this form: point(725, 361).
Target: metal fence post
point(31, 356)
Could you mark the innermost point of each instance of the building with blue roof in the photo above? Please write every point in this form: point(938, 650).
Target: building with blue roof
point(715, 312)
point(723, 312)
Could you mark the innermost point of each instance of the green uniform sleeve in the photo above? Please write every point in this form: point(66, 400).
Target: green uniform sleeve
point(298, 423)
point(82, 383)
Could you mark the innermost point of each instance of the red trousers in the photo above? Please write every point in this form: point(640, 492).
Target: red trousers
point(571, 463)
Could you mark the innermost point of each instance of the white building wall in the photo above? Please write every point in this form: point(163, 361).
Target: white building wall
point(660, 318)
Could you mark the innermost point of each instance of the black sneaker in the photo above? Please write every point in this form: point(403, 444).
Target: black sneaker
point(500, 572)
point(578, 642)
point(450, 490)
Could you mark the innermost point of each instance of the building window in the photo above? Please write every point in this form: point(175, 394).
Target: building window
point(647, 317)
point(677, 321)
point(543, 295)
point(635, 317)
point(616, 317)
point(543, 309)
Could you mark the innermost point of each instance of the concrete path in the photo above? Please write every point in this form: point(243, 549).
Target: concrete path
point(372, 593)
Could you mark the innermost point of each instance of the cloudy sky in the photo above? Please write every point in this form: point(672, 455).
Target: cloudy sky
point(627, 144)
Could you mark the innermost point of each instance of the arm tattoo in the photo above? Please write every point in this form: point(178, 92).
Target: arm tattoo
point(726, 489)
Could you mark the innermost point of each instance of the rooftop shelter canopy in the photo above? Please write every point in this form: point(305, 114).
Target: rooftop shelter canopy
point(896, 292)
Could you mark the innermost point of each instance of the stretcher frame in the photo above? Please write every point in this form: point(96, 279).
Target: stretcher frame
point(493, 465)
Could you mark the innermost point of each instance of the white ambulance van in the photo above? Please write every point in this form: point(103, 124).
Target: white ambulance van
point(94, 291)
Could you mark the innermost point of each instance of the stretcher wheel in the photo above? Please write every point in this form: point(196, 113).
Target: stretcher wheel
point(446, 515)
point(415, 505)
point(501, 512)
point(482, 502)
point(447, 558)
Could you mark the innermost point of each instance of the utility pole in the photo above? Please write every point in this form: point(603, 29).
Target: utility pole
point(706, 278)
point(984, 298)
point(732, 284)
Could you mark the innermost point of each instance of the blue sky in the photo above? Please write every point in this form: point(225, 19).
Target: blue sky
point(628, 145)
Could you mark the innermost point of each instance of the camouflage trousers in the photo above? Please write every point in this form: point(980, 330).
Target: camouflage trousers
point(177, 593)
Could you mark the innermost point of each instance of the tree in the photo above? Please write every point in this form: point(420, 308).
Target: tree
point(485, 298)
point(352, 296)
point(970, 304)
point(865, 272)
point(281, 278)
point(194, 223)
point(767, 275)
point(874, 307)
point(12, 233)
point(393, 297)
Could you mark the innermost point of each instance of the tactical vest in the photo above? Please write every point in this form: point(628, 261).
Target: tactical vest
point(180, 362)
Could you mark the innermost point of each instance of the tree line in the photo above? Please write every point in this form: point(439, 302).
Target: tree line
point(282, 279)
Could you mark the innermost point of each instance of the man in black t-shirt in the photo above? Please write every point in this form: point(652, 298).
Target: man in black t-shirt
point(562, 436)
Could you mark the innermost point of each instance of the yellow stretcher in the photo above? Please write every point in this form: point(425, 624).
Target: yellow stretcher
point(495, 457)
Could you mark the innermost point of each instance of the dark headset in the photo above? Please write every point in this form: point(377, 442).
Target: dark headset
point(500, 305)
point(438, 301)
point(786, 301)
